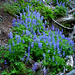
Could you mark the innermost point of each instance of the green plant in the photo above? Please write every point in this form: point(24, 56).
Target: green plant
point(64, 1)
point(46, 12)
point(48, 1)
point(30, 39)
point(12, 8)
point(59, 11)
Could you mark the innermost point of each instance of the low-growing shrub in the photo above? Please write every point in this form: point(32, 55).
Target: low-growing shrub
point(30, 39)
point(59, 11)
point(59, 1)
point(12, 8)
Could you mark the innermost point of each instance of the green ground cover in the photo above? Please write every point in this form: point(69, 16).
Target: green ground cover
point(29, 38)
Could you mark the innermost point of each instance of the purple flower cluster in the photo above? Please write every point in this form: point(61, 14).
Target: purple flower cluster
point(34, 67)
point(53, 40)
point(34, 24)
point(45, 39)
point(60, 4)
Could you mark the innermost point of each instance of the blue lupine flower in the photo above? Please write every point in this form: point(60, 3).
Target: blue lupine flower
point(54, 46)
point(56, 62)
point(28, 14)
point(26, 20)
point(43, 28)
point(53, 41)
point(18, 38)
point(46, 29)
point(44, 55)
point(67, 12)
point(34, 21)
point(13, 24)
point(29, 19)
point(10, 2)
point(66, 57)
point(49, 39)
point(57, 36)
point(28, 53)
point(40, 45)
point(32, 45)
point(60, 55)
point(23, 33)
point(46, 44)
point(11, 35)
point(29, 48)
point(54, 53)
point(39, 33)
point(58, 3)
point(28, 56)
point(68, 39)
point(30, 36)
point(9, 48)
point(18, 19)
point(53, 27)
point(25, 25)
point(50, 44)
point(53, 58)
point(20, 16)
point(23, 41)
point(5, 62)
point(37, 30)
point(28, 8)
point(49, 58)
point(48, 51)
point(24, 13)
point(60, 33)
point(17, 25)
point(38, 15)
point(34, 13)
point(45, 71)
point(63, 53)
point(34, 37)
point(50, 3)
point(53, 37)
point(14, 20)
point(45, 22)
point(27, 33)
point(71, 42)
point(22, 59)
point(49, 32)
point(15, 0)
point(63, 5)
point(73, 48)
point(37, 40)
point(58, 50)
point(42, 18)
point(57, 44)
point(34, 67)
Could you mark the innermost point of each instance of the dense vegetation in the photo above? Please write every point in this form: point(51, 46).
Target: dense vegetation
point(29, 38)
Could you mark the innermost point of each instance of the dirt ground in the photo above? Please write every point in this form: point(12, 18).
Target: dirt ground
point(5, 25)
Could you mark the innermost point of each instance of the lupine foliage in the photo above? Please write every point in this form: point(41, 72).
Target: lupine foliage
point(30, 38)
point(37, 5)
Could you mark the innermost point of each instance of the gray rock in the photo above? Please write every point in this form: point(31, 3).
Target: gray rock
point(71, 72)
